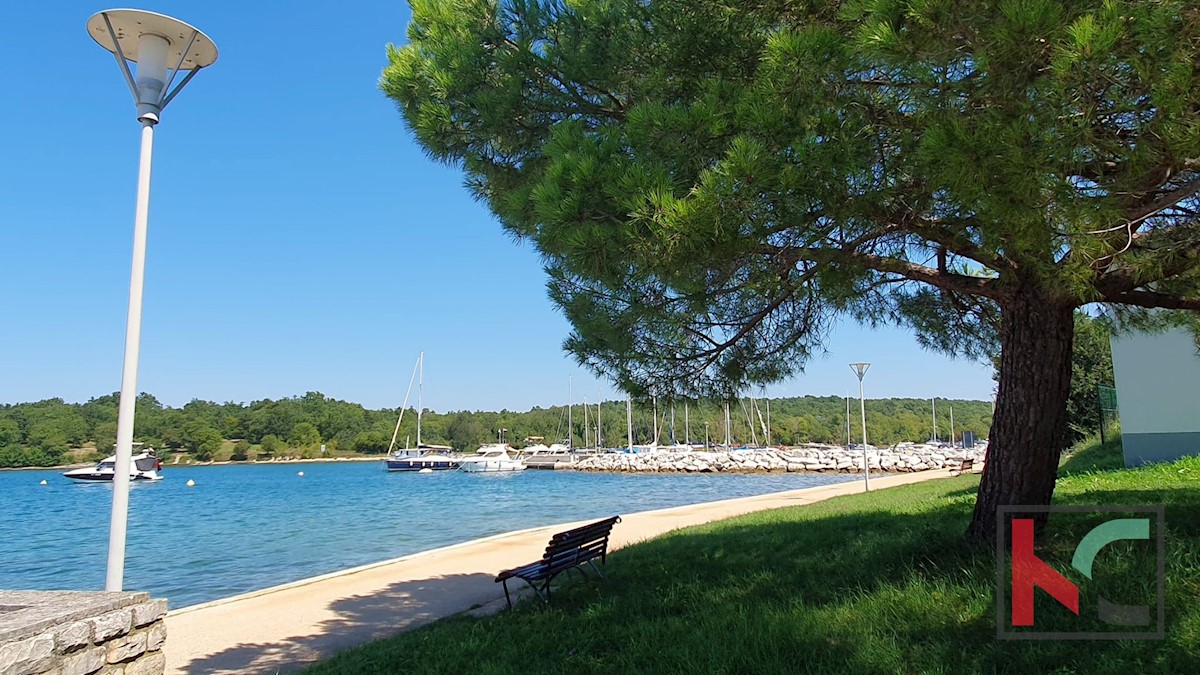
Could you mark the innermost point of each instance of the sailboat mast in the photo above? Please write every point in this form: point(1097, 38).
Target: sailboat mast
point(570, 406)
point(404, 406)
point(687, 426)
point(728, 434)
point(847, 421)
point(933, 403)
point(586, 429)
point(673, 441)
point(629, 418)
point(750, 421)
point(766, 428)
point(654, 406)
point(420, 394)
point(952, 426)
point(768, 421)
point(598, 442)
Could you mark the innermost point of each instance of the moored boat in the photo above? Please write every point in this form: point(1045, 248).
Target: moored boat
point(491, 458)
point(424, 457)
point(431, 457)
point(142, 466)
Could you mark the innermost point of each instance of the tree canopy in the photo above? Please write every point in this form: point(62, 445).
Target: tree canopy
point(712, 185)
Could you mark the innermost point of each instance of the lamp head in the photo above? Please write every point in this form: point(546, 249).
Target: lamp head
point(159, 46)
point(860, 369)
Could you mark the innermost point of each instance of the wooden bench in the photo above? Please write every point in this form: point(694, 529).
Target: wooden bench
point(967, 465)
point(566, 551)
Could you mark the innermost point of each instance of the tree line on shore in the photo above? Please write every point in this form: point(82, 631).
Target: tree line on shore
point(42, 433)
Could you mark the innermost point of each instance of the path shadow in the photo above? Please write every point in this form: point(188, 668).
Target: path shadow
point(359, 619)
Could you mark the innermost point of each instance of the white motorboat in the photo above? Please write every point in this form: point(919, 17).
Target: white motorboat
point(142, 466)
point(537, 449)
point(491, 458)
point(542, 453)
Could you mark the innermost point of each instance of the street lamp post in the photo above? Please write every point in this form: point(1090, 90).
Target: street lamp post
point(160, 47)
point(860, 369)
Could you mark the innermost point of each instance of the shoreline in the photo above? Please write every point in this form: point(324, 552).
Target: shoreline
point(193, 465)
point(295, 624)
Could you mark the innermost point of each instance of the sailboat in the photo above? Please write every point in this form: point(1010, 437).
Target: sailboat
point(424, 457)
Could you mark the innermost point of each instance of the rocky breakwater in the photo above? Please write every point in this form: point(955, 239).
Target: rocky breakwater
point(817, 459)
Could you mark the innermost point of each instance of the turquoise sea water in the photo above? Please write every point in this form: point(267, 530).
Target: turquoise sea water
point(246, 527)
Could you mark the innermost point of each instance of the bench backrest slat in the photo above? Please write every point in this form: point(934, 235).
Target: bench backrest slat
point(591, 537)
point(566, 550)
point(594, 548)
point(605, 524)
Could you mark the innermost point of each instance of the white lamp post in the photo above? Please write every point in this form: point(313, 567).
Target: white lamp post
point(860, 369)
point(160, 47)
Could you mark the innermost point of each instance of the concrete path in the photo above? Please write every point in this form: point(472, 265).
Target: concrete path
point(286, 627)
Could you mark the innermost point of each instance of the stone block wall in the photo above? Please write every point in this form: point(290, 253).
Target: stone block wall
point(78, 633)
point(819, 459)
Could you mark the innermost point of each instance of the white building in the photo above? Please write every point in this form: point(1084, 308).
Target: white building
point(1158, 394)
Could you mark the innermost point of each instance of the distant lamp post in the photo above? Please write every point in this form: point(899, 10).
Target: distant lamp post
point(860, 369)
point(160, 47)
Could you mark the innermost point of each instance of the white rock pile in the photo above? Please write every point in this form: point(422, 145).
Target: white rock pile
point(906, 457)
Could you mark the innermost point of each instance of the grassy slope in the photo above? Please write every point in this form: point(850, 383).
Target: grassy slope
point(878, 583)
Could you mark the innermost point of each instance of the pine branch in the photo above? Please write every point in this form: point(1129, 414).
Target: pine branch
point(1140, 213)
point(959, 245)
point(1176, 251)
point(1152, 300)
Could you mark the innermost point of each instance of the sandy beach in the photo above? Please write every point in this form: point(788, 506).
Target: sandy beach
point(286, 627)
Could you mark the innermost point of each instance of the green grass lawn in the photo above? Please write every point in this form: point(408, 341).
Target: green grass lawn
point(877, 583)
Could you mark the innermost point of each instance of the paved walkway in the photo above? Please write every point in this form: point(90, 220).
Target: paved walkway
point(286, 627)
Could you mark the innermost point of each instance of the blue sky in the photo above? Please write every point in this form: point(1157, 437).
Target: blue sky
point(299, 240)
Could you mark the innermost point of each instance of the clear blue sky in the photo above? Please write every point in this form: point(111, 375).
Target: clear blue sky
point(299, 239)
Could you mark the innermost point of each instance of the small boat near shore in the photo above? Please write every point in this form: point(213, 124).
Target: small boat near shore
point(491, 458)
point(142, 466)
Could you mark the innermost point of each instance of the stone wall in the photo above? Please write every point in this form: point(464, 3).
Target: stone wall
point(822, 459)
point(78, 633)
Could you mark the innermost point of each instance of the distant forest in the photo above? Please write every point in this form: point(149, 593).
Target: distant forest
point(42, 433)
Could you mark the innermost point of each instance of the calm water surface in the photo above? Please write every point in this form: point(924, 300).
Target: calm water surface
point(246, 527)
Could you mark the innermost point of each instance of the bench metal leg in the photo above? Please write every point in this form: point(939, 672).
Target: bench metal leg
point(542, 593)
point(543, 589)
point(599, 572)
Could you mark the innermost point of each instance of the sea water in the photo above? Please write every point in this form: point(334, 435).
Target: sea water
point(250, 526)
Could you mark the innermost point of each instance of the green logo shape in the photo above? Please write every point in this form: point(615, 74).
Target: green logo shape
point(1085, 556)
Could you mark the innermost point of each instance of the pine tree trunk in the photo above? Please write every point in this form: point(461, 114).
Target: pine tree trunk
point(1029, 426)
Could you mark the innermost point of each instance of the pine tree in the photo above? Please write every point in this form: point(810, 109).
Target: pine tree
point(713, 185)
